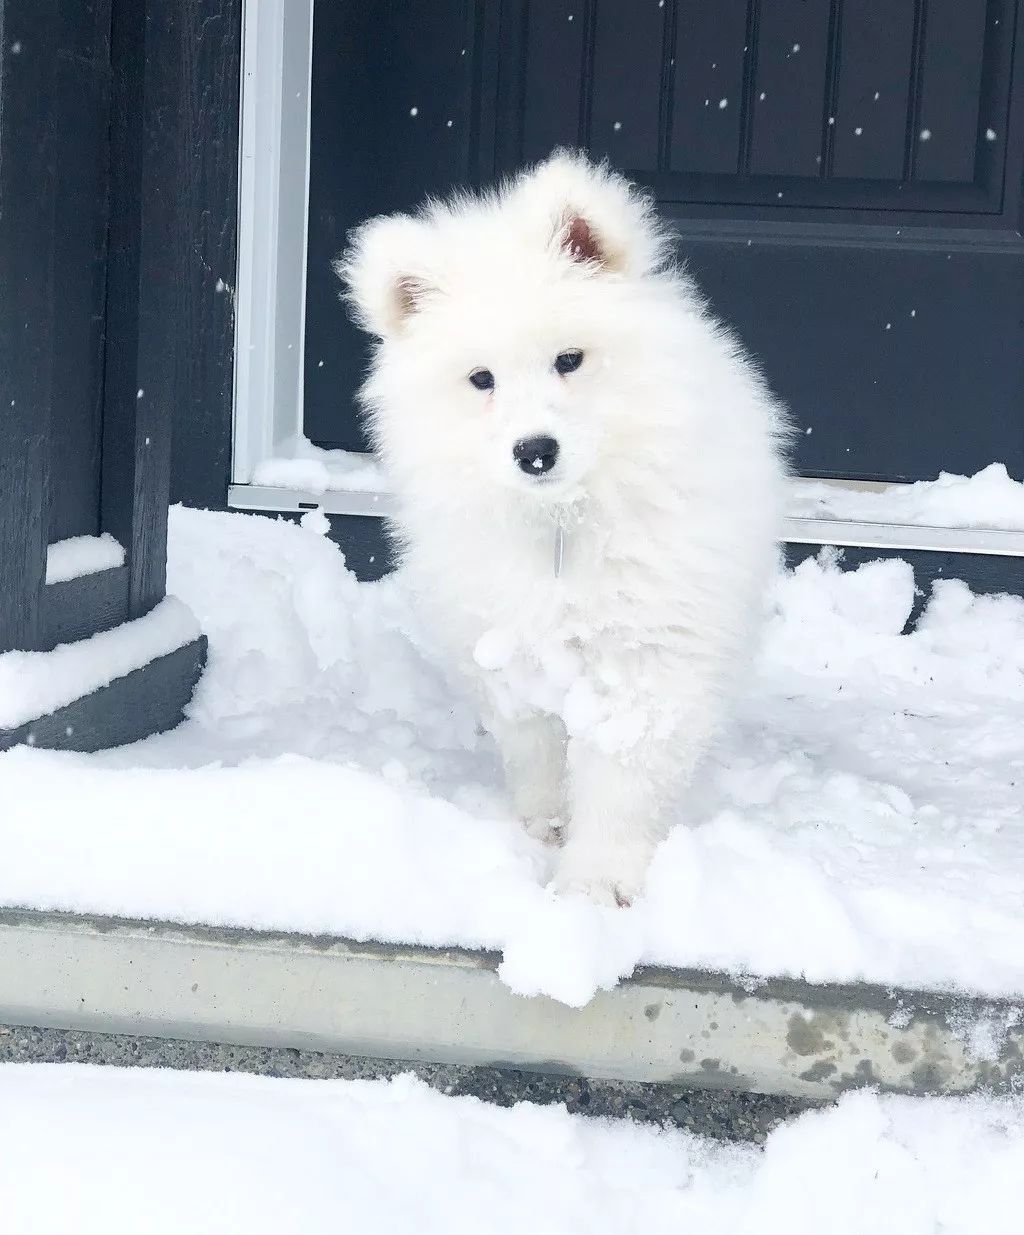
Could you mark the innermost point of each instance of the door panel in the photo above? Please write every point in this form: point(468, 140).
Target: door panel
point(393, 119)
point(627, 48)
point(844, 177)
point(874, 90)
point(709, 64)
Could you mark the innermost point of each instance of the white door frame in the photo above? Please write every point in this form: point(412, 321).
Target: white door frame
point(277, 44)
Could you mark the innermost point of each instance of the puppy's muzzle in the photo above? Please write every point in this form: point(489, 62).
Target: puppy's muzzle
point(536, 455)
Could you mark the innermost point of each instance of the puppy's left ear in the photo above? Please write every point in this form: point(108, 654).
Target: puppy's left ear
point(384, 272)
point(595, 216)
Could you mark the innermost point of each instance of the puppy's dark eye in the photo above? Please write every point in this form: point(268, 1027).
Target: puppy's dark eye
point(482, 379)
point(568, 362)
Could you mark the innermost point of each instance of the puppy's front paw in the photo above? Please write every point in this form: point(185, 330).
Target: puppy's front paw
point(545, 828)
point(613, 878)
point(597, 890)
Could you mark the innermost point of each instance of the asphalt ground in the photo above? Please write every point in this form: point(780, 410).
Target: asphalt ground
point(724, 1115)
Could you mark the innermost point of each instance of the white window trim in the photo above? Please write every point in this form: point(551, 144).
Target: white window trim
point(277, 48)
point(273, 201)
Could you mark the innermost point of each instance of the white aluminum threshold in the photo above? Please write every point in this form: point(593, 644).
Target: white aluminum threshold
point(271, 498)
point(448, 1006)
point(843, 533)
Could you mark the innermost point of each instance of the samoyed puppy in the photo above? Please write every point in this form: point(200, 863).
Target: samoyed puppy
point(589, 487)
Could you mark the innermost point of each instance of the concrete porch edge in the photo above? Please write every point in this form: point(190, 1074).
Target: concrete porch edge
point(682, 1027)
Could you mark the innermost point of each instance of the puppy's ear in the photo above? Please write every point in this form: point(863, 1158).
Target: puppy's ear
point(384, 275)
point(594, 215)
point(580, 241)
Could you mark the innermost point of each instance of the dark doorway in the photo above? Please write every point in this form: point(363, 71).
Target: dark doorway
point(845, 176)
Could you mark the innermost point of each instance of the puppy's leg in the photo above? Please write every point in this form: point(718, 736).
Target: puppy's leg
point(615, 824)
point(533, 751)
point(618, 799)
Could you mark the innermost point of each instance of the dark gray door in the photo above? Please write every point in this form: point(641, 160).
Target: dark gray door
point(845, 176)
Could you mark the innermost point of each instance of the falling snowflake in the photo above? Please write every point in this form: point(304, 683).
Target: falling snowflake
point(858, 130)
point(926, 135)
point(617, 125)
point(414, 111)
point(723, 104)
point(796, 48)
point(990, 135)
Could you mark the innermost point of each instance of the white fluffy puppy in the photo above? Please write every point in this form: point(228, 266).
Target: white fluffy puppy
point(589, 485)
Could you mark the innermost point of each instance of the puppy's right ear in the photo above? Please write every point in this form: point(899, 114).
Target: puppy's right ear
point(382, 271)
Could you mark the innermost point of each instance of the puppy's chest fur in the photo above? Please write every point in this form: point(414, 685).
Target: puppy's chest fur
point(576, 578)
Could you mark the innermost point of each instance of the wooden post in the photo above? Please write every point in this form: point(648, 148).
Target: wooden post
point(27, 195)
point(144, 294)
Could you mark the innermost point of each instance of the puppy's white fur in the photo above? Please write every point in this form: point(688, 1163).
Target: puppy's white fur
point(602, 685)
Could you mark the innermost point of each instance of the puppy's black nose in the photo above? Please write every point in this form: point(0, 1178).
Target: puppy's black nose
point(536, 455)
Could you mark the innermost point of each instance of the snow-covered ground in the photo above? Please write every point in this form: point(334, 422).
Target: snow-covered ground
point(112, 1152)
point(862, 819)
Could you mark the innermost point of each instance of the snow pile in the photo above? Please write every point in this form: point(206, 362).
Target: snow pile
point(82, 555)
point(159, 1153)
point(989, 499)
point(311, 469)
point(34, 684)
point(860, 820)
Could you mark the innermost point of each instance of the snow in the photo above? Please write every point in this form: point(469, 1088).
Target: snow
point(34, 684)
point(989, 499)
point(147, 1152)
point(859, 820)
point(82, 555)
point(311, 469)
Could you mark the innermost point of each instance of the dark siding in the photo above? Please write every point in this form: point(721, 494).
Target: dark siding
point(82, 104)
